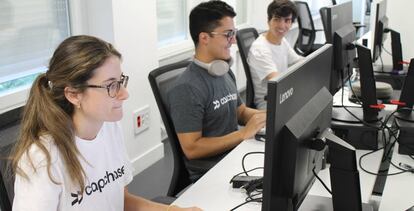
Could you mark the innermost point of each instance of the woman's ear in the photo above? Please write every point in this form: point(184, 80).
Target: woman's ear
point(73, 96)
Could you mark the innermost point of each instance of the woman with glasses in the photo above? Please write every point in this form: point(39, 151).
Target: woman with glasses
point(70, 154)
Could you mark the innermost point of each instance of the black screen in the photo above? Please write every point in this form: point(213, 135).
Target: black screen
point(299, 106)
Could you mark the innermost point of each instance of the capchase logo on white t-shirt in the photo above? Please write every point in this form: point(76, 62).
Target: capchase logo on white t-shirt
point(110, 176)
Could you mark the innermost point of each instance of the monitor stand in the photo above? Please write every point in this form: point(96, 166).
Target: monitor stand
point(396, 80)
point(352, 130)
point(321, 203)
point(342, 114)
point(405, 116)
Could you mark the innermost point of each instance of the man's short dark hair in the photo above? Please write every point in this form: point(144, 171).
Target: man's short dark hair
point(206, 16)
point(281, 8)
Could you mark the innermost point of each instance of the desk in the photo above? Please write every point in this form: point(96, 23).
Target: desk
point(214, 193)
point(398, 192)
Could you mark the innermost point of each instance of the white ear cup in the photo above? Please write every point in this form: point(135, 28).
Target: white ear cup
point(216, 67)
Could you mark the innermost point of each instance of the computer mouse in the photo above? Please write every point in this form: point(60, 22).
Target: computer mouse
point(261, 131)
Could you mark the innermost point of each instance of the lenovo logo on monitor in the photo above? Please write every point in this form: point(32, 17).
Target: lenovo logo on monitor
point(284, 96)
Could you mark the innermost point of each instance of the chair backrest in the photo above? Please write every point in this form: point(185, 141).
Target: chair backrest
point(245, 38)
point(324, 18)
point(6, 179)
point(9, 129)
point(162, 80)
point(307, 32)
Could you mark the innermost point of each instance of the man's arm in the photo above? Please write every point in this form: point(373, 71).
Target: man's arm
point(245, 114)
point(272, 75)
point(195, 146)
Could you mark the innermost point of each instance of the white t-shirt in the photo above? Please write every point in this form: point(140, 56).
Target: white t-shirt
point(106, 164)
point(265, 58)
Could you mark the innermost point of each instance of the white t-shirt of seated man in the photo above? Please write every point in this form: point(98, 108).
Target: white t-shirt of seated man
point(265, 58)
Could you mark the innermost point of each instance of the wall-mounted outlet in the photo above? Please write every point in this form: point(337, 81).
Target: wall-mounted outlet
point(141, 119)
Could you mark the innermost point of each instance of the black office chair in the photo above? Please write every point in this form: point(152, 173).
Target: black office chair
point(6, 179)
point(245, 38)
point(305, 44)
point(162, 79)
point(9, 129)
point(324, 18)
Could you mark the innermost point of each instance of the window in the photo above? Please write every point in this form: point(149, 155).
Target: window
point(29, 32)
point(172, 21)
point(241, 10)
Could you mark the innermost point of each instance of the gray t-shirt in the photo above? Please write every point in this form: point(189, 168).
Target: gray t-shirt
point(206, 103)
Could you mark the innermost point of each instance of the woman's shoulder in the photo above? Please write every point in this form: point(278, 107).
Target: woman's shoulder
point(38, 152)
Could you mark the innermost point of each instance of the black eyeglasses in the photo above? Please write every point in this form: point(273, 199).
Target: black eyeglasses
point(114, 87)
point(229, 35)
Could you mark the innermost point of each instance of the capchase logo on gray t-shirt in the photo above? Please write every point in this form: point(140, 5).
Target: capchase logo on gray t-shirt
point(224, 100)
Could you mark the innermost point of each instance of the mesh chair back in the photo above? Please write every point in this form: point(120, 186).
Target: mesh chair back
point(307, 32)
point(245, 38)
point(162, 80)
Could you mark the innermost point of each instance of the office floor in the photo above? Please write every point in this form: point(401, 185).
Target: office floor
point(154, 180)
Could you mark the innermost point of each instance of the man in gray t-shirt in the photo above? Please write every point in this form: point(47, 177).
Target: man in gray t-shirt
point(204, 105)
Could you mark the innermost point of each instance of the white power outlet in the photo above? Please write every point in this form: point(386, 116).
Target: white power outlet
point(141, 119)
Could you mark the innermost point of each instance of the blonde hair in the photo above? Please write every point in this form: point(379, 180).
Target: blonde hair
point(48, 112)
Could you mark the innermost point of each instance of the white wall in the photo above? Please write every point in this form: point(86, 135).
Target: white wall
point(258, 9)
point(400, 16)
point(131, 26)
point(135, 30)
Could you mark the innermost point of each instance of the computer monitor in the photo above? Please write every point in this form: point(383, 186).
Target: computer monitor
point(407, 96)
point(380, 24)
point(299, 110)
point(288, 162)
point(297, 130)
point(368, 87)
point(340, 32)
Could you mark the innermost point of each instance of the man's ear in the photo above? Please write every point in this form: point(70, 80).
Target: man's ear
point(73, 96)
point(203, 38)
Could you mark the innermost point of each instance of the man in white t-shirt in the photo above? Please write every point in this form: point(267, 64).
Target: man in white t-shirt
point(271, 54)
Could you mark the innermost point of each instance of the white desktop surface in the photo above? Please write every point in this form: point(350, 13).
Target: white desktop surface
point(398, 193)
point(213, 192)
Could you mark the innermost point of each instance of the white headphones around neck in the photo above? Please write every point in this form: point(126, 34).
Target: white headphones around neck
point(216, 67)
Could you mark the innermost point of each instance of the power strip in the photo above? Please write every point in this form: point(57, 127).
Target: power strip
point(242, 181)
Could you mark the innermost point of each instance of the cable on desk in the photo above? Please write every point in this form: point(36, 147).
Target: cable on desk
point(386, 51)
point(398, 167)
point(244, 157)
point(382, 63)
point(244, 203)
point(252, 196)
point(378, 174)
point(350, 112)
point(254, 186)
point(320, 180)
point(251, 187)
